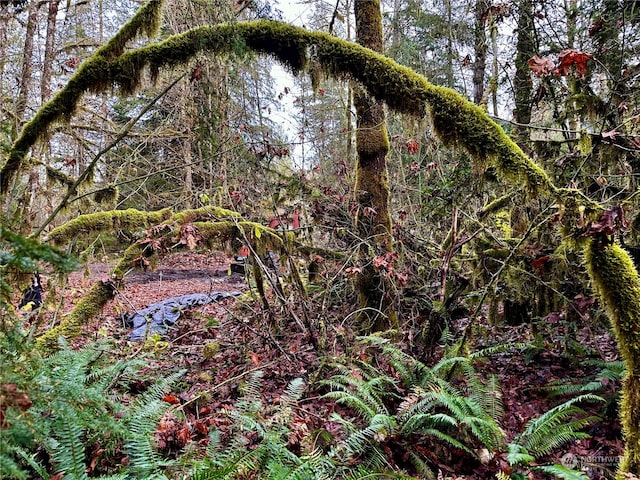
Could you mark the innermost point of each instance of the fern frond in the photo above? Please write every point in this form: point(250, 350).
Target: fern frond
point(252, 388)
point(362, 394)
point(500, 348)
point(419, 422)
point(558, 471)
point(556, 426)
point(293, 393)
point(352, 401)
point(367, 473)
point(421, 466)
point(410, 370)
point(143, 457)
point(518, 455)
point(610, 372)
point(69, 456)
point(448, 439)
point(160, 388)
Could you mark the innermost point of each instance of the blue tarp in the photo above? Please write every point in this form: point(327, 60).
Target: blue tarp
point(158, 317)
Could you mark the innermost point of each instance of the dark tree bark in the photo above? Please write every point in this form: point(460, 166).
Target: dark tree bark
point(480, 47)
point(45, 89)
point(522, 83)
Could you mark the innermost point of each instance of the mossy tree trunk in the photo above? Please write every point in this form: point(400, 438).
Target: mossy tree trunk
point(522, 83)
point(376, 294)
point(616, 281)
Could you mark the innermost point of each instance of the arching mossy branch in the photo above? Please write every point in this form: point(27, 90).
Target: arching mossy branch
point(212, 224)
point(455, 119)
point(130, 220)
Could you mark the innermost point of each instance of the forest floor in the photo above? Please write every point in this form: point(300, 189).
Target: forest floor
point(220, 344)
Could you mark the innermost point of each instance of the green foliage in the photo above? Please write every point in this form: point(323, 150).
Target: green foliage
point(554, 428)
point(259, 444)
point(70, 403)
point(558, 426)
point(602, 383)
point(462, 415)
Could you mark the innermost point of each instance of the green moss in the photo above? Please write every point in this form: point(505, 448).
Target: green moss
point(55, 175)
point(71, 325)
point(369, 24)
point(454, 118)
point(615, 280)
point(373, 139)
point(497, 204)
point(207, 212)
point(91, 223)
point(210, 350)
point(127, 261)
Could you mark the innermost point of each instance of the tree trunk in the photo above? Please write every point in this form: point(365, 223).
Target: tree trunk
point(45, 90)
point(373, 220)
point(5, 16)
point(27, 65)
point(522, 83)
point(480, 46)
point(615, 279)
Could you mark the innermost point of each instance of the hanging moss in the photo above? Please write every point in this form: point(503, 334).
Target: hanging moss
point(615, 280)
point(455, 119)
point(106, 196)
point(55, 175)
point(89, 77)
point(260, 237)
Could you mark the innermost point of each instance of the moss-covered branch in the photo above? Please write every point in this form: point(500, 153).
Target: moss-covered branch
point(147, 20)
point(110, 221)
point(212, 223)
point(71, 325)
point(455, 119)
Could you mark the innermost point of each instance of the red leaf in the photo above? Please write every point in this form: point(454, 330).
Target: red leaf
point(402, 278)
point(611, 221)
point(379, 262)
point(295, 220)
point(171, 399)
point(206, 410)
point(196, 74)
point(412, 147)
point(352, 271)
point(539, 264)
point(572, 58)
point(183, 436)
point(255, 359)
point(274, 223)
point(201, 428)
